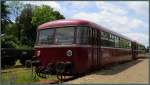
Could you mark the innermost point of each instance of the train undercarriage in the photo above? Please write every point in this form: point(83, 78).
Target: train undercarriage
point(60, 69)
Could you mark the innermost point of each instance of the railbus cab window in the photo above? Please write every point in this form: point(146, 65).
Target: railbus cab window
point(46, 36)
point(64, 35)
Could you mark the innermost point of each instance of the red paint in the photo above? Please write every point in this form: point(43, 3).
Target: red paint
point(85, 57)
point(63, 22)
point(58, 54)
point(77, 22)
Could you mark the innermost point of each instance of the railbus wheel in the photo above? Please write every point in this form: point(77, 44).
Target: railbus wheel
point(61, 77)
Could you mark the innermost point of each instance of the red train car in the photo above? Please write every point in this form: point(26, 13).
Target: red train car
point(76, 46)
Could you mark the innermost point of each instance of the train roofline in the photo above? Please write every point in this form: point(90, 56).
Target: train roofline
point(76, 22)
point(63, 22)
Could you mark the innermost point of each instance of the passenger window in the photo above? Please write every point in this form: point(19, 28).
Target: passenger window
point(105, 39)
point(121, 43)
point(82, 35)
point(95, 37)
point(112, 40)
point(116, 41)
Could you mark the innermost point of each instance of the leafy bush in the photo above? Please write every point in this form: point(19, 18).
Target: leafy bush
point(9, 41)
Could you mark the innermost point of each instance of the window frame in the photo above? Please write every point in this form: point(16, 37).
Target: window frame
point(85, 32)
point(38, 34)
point(54, 34)
point(64, 28)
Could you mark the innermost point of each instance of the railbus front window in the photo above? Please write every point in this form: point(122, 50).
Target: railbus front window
point(46, 36)
point(64, 35)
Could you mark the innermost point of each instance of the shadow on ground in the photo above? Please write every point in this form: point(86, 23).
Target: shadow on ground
point(114, 69)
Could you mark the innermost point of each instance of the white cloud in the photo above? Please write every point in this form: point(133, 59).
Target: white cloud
point(137, 23)
point(53, 4)
point(118, 21)
point(140, 7)
point(78, 4)
point(91, 17)
point(106, 6)
point(114, 22)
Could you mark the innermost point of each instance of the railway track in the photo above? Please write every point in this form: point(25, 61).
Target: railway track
point(66, 79)
point(55, 80)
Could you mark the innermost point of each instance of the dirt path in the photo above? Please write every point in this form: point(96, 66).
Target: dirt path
point(130, 72)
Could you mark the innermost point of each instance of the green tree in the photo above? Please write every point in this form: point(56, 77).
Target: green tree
point(22, 33)
point(9, 41)
point(42, 14)
point(4, 16)
point(32, 16)
point(27, 29)
point(10, 29)
point(15, 8)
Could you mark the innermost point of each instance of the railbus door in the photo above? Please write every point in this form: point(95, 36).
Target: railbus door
point(93, 50)
point(98, 53)
point(95, 55)
point(134, 50)
point(92, 41)
point(99, 48)
point(96, 48)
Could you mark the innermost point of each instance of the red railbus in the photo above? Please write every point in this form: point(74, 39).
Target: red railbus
point(74, 46)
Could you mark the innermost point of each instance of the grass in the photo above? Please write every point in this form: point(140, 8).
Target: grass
point(20, 75)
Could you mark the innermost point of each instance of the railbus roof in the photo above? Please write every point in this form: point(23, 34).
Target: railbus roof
point(77, 22)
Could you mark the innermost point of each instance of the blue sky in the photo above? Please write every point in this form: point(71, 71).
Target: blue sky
point(129, 18)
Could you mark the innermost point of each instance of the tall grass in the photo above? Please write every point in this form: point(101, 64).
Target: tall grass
point(20, 76)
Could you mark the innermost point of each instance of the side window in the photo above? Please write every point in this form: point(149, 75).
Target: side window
point(116, 41)
point(95, 37)
point(112, 40)
point(123, 43)
point(107, 39)
point(104, 39)
point(98, 38)
point(129, 44)
point(140, 47)
point(82, 35)
point(90, 36)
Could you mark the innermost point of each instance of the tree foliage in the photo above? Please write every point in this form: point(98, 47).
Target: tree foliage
point(9, 41)
point(31, 17)
point(4, 16)
point(44, 14)
point(15, 8)
point(27, 29)
point(22, 33)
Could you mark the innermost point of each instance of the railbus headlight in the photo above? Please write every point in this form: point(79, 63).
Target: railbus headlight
point(69, 53)
point(38, 53)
